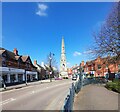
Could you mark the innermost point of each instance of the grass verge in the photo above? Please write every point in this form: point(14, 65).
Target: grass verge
point(114, 85)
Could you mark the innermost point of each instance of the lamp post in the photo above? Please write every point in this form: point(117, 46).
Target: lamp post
point(50, 65)
point(4, 85)
point(25, 78)
point(107, 75)
point(81, 75)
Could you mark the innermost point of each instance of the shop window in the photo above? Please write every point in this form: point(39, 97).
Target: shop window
point(20, 77)
point(4, 77)
point(12, 78)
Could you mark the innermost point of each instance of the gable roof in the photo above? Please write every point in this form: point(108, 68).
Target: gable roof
point(24, 58)
point(8, 53)
point(1, 52)
point(17, 57)
point(12, 56)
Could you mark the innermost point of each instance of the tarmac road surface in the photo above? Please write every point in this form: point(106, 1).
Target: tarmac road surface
point(48, 96)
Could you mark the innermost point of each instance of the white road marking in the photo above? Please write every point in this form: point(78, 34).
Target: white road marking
point(16, 89)
point(7, 101)
point(31, 93)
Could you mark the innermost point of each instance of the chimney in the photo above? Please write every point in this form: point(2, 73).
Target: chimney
point(35, 62)
point(15, 51)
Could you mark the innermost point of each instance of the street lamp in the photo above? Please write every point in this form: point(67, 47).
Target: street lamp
point(3, 81)
point(27, 66)
point(81, 74)
point(107, 75)
point(25, 78)
point(50, 65)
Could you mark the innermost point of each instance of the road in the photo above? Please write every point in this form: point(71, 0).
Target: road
point(47, 96)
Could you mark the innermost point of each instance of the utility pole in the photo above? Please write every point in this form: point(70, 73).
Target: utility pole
point(50, 67)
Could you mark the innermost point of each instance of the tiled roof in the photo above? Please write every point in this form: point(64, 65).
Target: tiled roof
point(12, 55)
point(90, 62)
point(9, 53)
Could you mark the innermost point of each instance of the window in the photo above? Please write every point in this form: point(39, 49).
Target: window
point(107, 66)
point(92, 68)
point(12, 78)
point(119, 66)
point(99, 66)
point(4, 77)
point(87, 69)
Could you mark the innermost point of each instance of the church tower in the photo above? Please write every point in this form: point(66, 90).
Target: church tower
point(63, 67)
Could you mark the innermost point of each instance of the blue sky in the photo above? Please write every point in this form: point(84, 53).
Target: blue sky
point(36, 29)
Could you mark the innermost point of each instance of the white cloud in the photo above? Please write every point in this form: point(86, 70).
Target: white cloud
point(88, 52)
point(76, 53)
point(42, 10)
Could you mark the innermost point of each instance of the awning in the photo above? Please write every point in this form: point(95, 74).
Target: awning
point(31, 72)
point(11, 70)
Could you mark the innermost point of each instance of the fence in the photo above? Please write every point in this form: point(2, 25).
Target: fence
point(68, 103)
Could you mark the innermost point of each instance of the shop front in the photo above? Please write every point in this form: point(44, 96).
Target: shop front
point(31, 76)
point(12, 75)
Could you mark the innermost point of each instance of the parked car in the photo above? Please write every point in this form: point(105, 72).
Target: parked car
point(117, 75)
point(74, 77)
point(58, 78)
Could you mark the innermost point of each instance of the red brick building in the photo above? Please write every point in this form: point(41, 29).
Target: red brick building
point(16, 68)
point(100, 67)
point(89, 68)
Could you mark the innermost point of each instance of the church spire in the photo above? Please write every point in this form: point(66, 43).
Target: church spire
point(63, 67)
point(63, 46)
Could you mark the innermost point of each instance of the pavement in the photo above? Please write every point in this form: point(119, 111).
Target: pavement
point(24, 85)
point(96, 97)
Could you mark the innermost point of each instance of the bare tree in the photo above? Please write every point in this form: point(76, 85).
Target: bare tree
point(107, 39)
point(51, 62)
